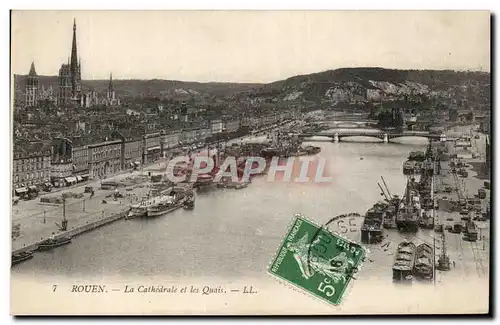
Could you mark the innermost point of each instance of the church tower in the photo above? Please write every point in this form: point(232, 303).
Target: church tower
point(32, 84)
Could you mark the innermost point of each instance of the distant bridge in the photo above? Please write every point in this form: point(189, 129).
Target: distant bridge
point(382, 135)
point(346, 123)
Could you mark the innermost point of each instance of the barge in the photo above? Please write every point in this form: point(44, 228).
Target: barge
point(21, 257)
point(424, 262)
point(404, 261)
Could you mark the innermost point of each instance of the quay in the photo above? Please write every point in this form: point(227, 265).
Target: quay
point(37, 220)
point(75, 231)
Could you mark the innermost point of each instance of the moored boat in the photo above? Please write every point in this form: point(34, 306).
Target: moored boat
point(234, 185)
point(163, 207)
point(141, 209)
point(408, 167)
point(137, 211)
point(21, 257)
point(189, 204)
point(409, 213)
point(404, 261)
point(312, 150)
point(188, 200)
point(204, 181)
point(53, 242)
point(424, 262)
point(372, 228)
point(269, 152)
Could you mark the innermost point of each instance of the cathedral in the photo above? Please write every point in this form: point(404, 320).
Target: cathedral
point(69, 86)
point(69, 80)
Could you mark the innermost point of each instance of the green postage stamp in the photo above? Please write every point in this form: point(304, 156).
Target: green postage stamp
point(317, 260)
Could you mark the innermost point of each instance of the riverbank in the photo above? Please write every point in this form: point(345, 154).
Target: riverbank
point(38, 221)
point(232, 235)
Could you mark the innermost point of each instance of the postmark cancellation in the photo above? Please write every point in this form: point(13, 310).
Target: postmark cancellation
point(316, 260)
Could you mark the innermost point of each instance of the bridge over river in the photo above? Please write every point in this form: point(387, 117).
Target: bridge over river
point(346, 123)
point(386, 136)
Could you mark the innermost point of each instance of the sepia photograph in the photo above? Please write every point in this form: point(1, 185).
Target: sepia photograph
point(250, 162)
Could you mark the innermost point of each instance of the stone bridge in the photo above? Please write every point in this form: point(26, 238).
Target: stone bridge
point(346, 123)
point(383, 135)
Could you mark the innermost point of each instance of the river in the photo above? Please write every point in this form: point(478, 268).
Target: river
point(233, 234)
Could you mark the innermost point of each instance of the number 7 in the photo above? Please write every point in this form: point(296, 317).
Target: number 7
point(54, 287)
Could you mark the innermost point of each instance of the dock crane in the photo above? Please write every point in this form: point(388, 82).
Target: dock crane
point(383, 180)
point(383, 193)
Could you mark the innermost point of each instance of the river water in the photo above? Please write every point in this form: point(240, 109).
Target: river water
point(234, 234)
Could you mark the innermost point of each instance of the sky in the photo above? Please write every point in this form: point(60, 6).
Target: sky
point(247, 46)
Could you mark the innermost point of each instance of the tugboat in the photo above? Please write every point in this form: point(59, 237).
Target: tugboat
point(53, 242)
point(404, 261)
point(372, 228)
point(21, 257)
point(424, 262)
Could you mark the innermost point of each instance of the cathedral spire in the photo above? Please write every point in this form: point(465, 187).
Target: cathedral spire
point(110, 86)
point(74, 55)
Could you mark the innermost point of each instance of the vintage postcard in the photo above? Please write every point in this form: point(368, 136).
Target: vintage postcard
point(250, 162)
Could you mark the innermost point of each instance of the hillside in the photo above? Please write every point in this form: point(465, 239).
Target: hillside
point(148, 88)
point(375, 84)
point(346, 85)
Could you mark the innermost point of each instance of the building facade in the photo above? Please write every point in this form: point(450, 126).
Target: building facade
point(133, 149)
point(80, 158)
point(32, 87)
point(60, 171)
point(152, 147)
point(31, 166)
point(61, 161)
point(105, 158)
point(231, 125)
point(216, 126)
point(172, 139)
